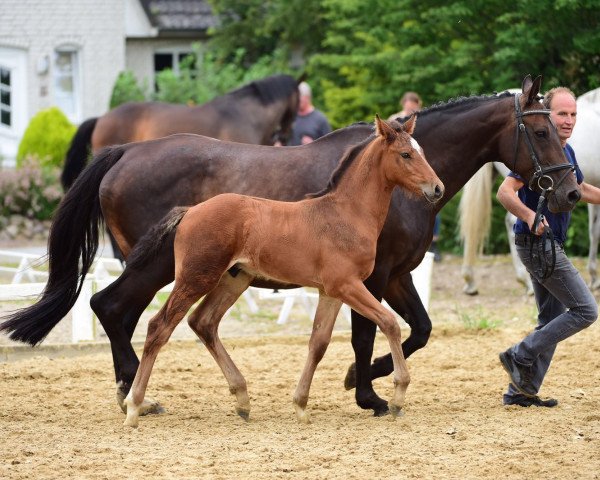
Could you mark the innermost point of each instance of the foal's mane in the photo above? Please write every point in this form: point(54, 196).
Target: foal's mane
point(267, 90)
point(348, 158)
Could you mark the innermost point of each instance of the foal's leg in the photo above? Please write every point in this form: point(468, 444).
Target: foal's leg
point(160, 328)
point(118, 308)
point(205, 322)
point(320, 337)
point(357, 296)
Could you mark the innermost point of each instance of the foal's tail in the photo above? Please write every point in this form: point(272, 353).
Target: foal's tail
point(78, 153)
point(72, 246)
point(152, 244)
point(475, 210)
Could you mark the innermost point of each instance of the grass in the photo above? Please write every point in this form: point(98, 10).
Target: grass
point(477, 319)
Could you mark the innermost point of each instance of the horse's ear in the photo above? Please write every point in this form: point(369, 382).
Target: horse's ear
point(534, 90)
point(409, 125)
point(526, 85)
point(384, 129)
point(301, 78)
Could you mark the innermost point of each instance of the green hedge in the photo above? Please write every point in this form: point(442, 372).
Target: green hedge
point(46, 138)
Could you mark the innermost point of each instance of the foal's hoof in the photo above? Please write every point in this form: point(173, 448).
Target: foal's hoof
point(151, 407)
point(244, 413)
point(350, 380)
point(396, 411)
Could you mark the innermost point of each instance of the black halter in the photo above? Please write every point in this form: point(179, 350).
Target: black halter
point(546, 185)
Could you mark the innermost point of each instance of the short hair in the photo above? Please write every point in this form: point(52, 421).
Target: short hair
point(412, 96)
point(549, 95)
point(304, 89)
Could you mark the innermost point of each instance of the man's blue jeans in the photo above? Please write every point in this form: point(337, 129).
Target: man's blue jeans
point(565, 305)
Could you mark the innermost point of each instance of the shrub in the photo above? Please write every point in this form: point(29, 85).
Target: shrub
point(126, 89)
point(30, 191)
point(46, 138)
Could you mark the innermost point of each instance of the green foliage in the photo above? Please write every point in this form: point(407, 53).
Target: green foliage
point(126, 89)
point(30, 191)
point(47, 138)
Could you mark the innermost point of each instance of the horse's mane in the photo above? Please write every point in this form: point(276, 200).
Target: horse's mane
point(348, 158)
point(269, 89)
point(462, 102)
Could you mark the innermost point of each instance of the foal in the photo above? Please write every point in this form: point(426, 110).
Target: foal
point(327, 242)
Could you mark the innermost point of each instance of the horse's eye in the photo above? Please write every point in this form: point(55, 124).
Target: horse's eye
point(541, 133)
point(405, 155)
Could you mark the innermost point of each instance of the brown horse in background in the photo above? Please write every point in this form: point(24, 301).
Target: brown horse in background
point(326, 242)
point(254, 113)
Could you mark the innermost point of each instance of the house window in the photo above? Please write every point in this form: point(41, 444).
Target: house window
point(66, 82)
point(172, 60)
point(5, 97)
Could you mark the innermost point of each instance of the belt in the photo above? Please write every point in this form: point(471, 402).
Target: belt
point(527, 239)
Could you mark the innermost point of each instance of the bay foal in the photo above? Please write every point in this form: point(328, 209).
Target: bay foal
point(327, 242)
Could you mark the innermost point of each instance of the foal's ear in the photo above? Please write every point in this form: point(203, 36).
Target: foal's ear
point(531, 88)
point(384, 129)
point(409, 125)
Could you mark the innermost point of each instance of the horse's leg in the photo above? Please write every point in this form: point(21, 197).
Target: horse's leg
point(522, 274)
point(403, 298)
point(119, 307)
point(327, 311)
point(360, 299)
point(205, 322)
point(160, 328)
point(594, 229)
point(363, 340)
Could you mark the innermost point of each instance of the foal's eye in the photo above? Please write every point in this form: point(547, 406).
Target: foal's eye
point(541, 133)
point(405, 155)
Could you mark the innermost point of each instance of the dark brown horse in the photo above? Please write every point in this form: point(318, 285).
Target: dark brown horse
point(327, 242)
point(137, 185)
point(253, 114)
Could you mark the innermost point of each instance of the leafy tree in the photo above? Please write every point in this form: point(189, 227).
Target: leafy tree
point(126, 89)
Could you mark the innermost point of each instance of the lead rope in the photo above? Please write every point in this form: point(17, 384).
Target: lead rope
point(543, 269)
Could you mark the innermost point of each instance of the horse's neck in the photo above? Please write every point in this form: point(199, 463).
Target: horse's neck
point(364, 190)
point(458, 147)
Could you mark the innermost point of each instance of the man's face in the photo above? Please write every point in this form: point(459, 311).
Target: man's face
point(563, 112)
point(410, 106)
point(304, 103)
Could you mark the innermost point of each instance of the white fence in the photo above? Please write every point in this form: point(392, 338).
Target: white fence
point(28, 279)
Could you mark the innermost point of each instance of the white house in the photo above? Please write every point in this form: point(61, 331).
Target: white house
point(68, 53)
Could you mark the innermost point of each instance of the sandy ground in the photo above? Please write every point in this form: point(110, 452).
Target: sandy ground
point(59, 418)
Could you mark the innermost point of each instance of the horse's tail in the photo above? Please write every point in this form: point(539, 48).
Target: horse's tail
point(152, 244)
point(72, 246)
point(78, 153)
point(475, 211)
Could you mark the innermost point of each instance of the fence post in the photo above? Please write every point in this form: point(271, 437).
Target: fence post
point(82, 317)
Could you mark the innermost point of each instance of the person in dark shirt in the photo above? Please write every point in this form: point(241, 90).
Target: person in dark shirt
point(565, 303)
point(310, 123)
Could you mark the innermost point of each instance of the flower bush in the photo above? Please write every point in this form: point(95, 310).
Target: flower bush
point(30, 191)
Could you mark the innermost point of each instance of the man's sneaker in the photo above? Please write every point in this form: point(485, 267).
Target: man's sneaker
point(523, 401)
point(520, 375)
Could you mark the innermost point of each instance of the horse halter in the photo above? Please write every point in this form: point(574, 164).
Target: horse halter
point(543, 269)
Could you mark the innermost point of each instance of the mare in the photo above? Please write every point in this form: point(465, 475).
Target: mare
point(475, 206)
point(327, 242)
point(134, 186)
point(251, 114)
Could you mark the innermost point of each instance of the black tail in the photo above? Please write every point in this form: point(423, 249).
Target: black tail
point(78, 153)
point(72, 246)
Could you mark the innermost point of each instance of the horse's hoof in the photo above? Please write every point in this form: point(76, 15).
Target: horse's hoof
point(381, 411)
point(396, 411)
point(131, 422)
point(350, 380)
point(301, 414)
point(244, 413)
point(472, 291)
point(151, 407)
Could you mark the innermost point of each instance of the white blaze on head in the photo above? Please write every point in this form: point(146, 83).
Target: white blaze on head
point(416, 145)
